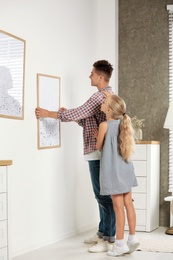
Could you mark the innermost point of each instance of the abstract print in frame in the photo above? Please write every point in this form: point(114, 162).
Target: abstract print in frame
point(48, 97)
point(12, 68)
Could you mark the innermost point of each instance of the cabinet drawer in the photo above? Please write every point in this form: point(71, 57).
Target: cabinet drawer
point(3, 233)
point(3, 253)
point(140, 168)
point(142, 185)
point(2, 178)
point(140, 200)
point(3, 206)
point(140, 152)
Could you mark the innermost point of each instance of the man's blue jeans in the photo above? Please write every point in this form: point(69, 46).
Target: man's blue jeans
point(106, 228)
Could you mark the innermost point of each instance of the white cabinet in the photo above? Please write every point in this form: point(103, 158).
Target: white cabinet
point(146, 160)
point(4, 245)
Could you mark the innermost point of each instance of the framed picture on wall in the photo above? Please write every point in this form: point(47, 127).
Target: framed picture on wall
point(12, 68)
point(48, 97)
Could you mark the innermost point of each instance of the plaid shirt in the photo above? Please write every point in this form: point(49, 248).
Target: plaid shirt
point(89, 116)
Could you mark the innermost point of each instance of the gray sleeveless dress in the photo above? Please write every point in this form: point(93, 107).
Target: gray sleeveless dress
point(116, 175)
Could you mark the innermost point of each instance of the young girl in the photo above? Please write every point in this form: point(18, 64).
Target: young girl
point(115, 140)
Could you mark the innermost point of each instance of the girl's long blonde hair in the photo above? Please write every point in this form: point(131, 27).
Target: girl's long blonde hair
point(126, 133)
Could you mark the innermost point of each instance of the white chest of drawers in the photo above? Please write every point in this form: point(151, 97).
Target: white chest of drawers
point(146, 160)
point(4, 245)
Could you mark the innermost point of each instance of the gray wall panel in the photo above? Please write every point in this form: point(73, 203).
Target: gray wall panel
point(143, 75)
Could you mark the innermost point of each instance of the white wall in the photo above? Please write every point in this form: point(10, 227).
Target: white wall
point(50, 190)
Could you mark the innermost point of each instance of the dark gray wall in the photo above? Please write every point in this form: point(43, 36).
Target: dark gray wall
point(143, 75)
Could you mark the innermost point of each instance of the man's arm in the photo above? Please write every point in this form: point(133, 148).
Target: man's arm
point(89, 108)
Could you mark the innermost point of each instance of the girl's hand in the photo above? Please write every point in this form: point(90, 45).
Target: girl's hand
point(95, 133)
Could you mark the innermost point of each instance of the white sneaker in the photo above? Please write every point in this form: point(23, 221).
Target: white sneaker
point(118, 250)
point(132, 245)
point(93, 240)
point(101, 246)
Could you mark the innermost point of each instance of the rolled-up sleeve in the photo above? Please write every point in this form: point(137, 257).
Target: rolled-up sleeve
point(88, 109)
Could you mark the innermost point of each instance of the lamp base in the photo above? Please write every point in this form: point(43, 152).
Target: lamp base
point(169, 231)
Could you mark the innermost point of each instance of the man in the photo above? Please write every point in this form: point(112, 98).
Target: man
point(89, 116)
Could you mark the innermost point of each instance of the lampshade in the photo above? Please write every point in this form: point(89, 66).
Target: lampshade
point(169, 117)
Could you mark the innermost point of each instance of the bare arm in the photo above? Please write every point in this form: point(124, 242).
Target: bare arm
point(41, 112)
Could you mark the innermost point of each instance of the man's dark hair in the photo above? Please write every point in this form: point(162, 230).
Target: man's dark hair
point(103, 66)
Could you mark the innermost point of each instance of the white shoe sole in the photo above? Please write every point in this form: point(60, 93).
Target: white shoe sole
point(133, 248)
point(97, 251)
point(114, 253)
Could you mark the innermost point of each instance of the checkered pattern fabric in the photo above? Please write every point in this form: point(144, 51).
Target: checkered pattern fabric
point(89, 116)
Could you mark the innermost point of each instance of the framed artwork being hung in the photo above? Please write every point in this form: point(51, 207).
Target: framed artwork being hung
point(48, 97)
point(12, 68)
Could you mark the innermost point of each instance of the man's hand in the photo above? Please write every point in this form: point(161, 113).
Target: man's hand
point(40, 112)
